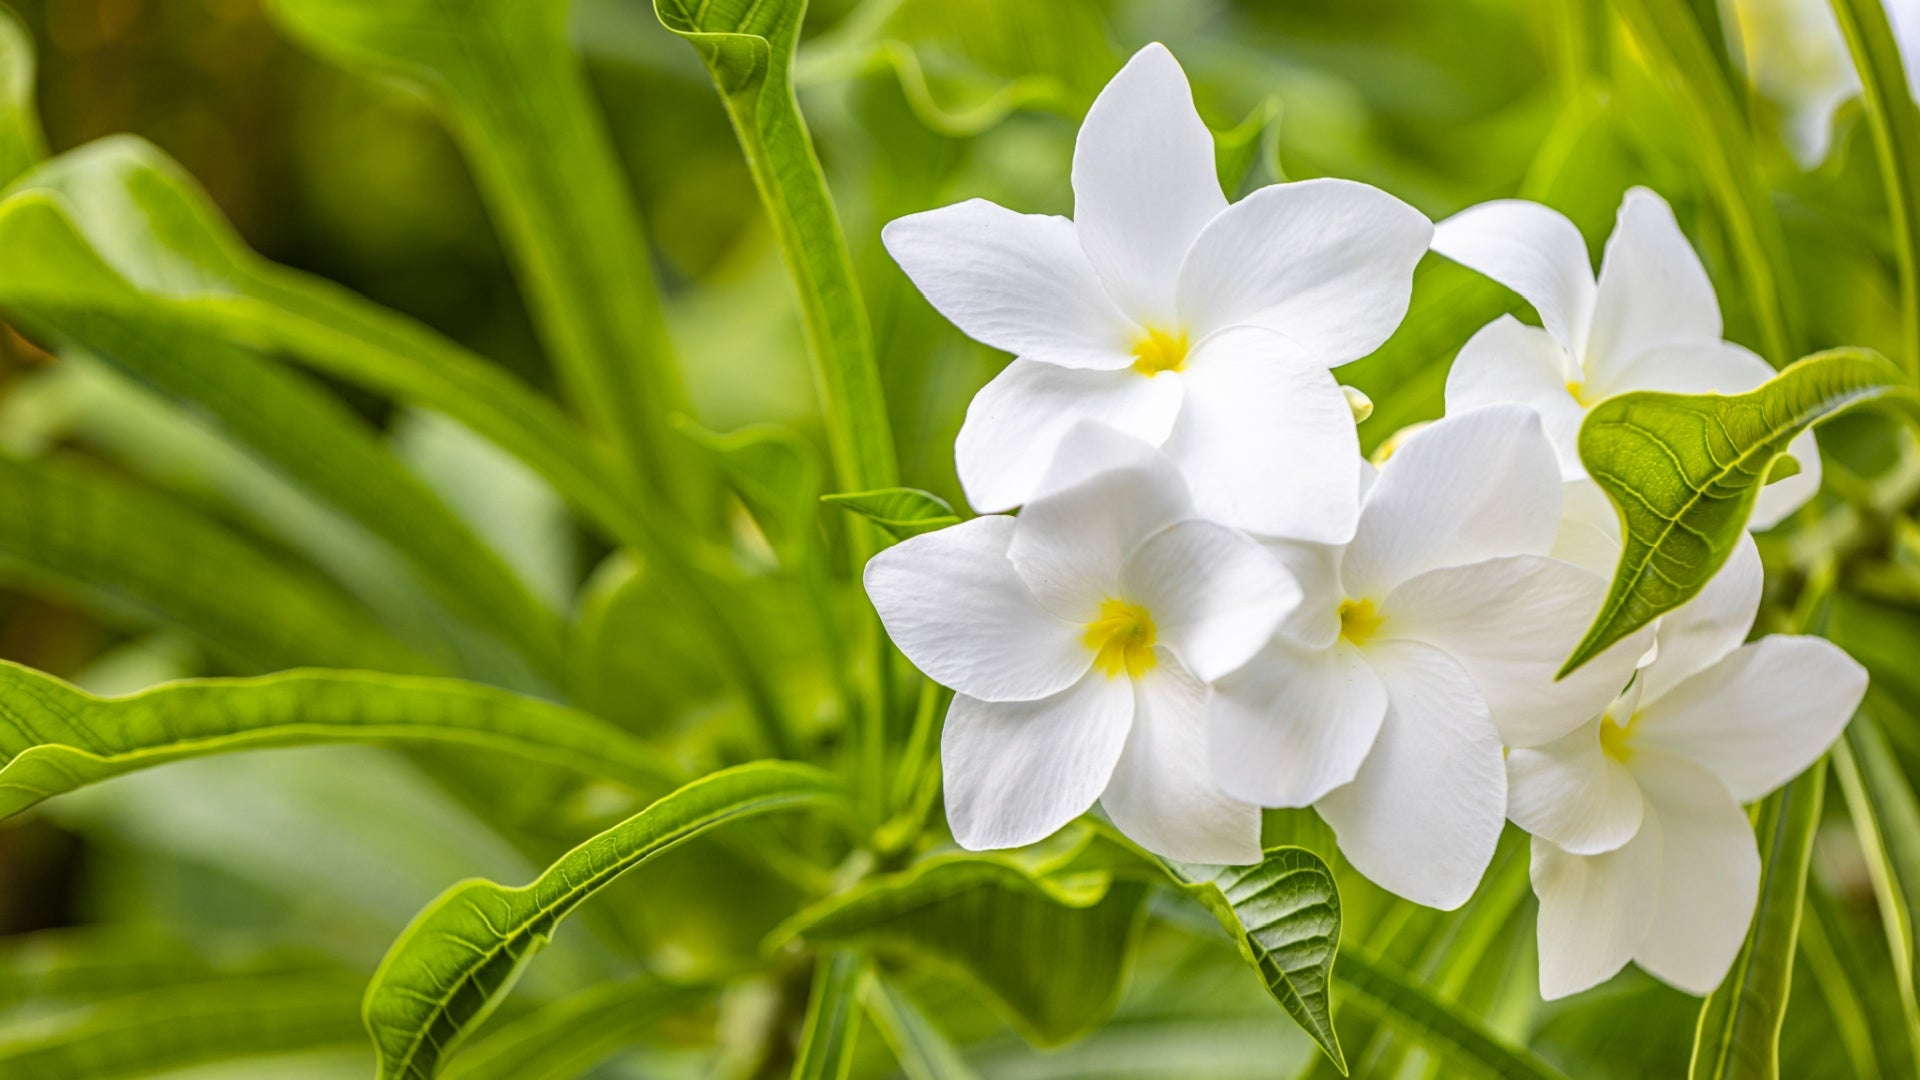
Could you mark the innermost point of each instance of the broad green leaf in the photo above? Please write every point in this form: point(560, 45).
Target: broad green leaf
point(923, 1051)
point(21, 143)
point(1896, 136)
point(150, 1033)
point(774, 471)
point(748, 46)
point(55, 738)
point(1739, 1032)
point(833, 1018)
point(1683, 472)
point(1051, 951)
point(513, 92)
point(568, 1038)
point(1283, 914)
point(74, 530)
point(1453, 1035)
point(901, 512)
point(461, 955)
point(1886, 818)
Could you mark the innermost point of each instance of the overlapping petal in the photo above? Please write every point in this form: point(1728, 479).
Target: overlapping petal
point(1533, 250)
point(1652, 291)
point(1572, 793)
point(1294, 723)
point(1507, 360)
point(1698, 633)
point(1214, 593)
point(1709, 874)
point(1595, 910)
point(1162, 795)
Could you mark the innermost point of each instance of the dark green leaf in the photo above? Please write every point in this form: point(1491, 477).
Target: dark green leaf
point(464, 951)
point(901, 512)
point(1683, 472)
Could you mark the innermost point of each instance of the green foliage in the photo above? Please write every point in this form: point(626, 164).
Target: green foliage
point(827, 1040)
point(917, 1043)
point(900, 512)
point(21, 143)
point(1684, 471)
point(570, 1037)
point(1467, 1047)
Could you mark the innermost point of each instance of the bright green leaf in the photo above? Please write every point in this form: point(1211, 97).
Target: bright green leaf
point(774, 471)
point(21, 143)
point(55, 738)
point(1452, 1034)
point(1739, 1033)
point(1881, 65)
point(568, 1038)
point(828, 1037)
point(464, 951)
point(1886, 818)
point(1683, 472)
point(923, 1051)
point(901, 512)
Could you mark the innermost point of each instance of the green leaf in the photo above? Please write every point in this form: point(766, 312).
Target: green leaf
point(55, 738)
point(84, 965)
point(1886, 818)
point(748, 46)
point(774, 471)
point(148, 1034)
point(1683, 472)
point(1739, 1032)
point(1051, 952)
point(1283, 914)
point(463, 952)
point(1450, 1033)
point(504, 74)
point(1896, 137)
point(833, 1018)
point(75, 531)
point(568, 1038)
point(21, 143)
point(901, 512)
point(923, 1051)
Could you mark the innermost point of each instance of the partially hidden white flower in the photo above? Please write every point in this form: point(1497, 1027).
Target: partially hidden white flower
point(1650, 322)
point(1079, 639)
point(1159, 309)
point(1640, 848)
point(1419, 649)
point(1796, 56)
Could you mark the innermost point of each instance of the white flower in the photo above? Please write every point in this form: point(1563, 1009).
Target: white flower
point(1651, 322)
point(1079, 639)
point(1163, 311)
point(1641, 850)
point(1419, 648)
point(1795, 54)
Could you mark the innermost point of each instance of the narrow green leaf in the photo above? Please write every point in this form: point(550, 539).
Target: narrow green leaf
point(55, 738)
point(1283, 914)
point(84, 965)
point(568, 1038)
point(75, 531)
point(1896, 137)
point(1739, 1032)
point(21, 143)
point(1051, 952)
point(505, 76)
point(748, 47)
point(833, 1018)
point(1683, 472)
point(923, 1051)
point(464, 951)
point(901, 512)
point(148, 1034)
point(1442, 1027)
point(1886, 818)
point(774, 471)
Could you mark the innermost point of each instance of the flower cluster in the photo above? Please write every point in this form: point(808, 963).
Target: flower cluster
point(1209, 602)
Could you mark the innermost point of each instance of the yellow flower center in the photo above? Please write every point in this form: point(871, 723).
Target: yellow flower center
point(1359, 620)
point(1581, 396)
point(1122, 639)
point(1615, 736)
point(1159, 351)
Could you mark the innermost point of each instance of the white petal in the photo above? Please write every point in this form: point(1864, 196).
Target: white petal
point(1510, 361)
point(1144, 183)
point(1294, 723)
point(1532, 250)
point(1695, 635)
point(1422, 817)
point(1589, 536)
point(1161, 794)
point(1595, 910)
point(1214, 593)
point(1017, 421)
point(1709, 875)
point(1758, 717)
point(1070, 545)
point(1328, 264)
point(1316, 568)
point(1653, 290)
point(1017, 771)
point(1267, 440)
point(1017, 282)
point(952, 602)
point(1511, 623)
point(1476, 485)
point(1571, 792)
point(1783, 497)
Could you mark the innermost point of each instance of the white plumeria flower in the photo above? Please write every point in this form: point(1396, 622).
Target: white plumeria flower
point(1420, 647)
point(1651, 322)
point(1159, 309)
point(1079, 639)
point(1640, 848)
